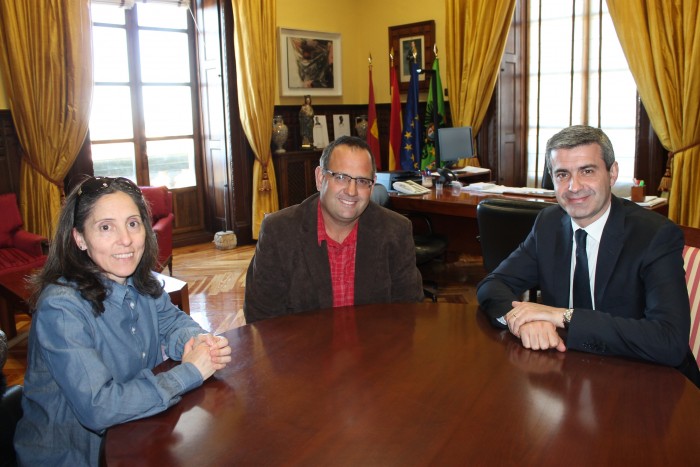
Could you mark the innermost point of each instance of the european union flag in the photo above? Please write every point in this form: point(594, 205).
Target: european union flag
point(412, 126)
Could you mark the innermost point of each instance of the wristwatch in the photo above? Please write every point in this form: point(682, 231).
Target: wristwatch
point(567, 317)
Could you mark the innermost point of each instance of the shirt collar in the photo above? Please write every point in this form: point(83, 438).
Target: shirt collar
point(117, 292)
point(323, 235)
point(595, 229)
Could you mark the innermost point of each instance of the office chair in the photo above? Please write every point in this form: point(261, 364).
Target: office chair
point(547, 182)
point(504, 224)
point(428, 245)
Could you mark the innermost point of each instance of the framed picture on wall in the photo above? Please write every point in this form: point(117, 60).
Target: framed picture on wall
point(310, 63)
point(402, 39)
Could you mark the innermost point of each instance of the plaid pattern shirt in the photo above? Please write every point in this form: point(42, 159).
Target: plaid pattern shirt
point(341, 257)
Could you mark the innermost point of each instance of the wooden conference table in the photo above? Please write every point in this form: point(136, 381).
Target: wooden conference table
point(418, 384)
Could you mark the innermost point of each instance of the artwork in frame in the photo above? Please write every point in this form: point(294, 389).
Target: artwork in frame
point(402, 39)
point(310, 63)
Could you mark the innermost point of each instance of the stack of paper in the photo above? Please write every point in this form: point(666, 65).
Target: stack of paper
point(483, 187)
point(650, 201)
point(472, 170)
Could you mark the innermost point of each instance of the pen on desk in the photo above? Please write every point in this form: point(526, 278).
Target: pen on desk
point(641, 183)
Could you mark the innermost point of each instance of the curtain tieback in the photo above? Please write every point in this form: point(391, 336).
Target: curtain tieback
point(690, 146)
point(665, 184)
point(265, 183)
point(42, 172)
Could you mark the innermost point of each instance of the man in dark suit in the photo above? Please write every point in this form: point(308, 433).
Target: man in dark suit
point(336, 248)
point(617, 289)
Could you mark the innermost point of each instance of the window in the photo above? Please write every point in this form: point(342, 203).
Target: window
point(142, 124)
point(587, 83)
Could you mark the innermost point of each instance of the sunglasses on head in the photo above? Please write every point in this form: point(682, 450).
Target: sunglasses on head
point(95, 184)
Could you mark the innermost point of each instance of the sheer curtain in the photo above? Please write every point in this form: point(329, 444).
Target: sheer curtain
point(256, 61)
point(661, 41)
point(46, 53)
point(476, 36)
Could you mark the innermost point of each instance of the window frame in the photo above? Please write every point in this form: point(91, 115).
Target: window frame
point(136, 86)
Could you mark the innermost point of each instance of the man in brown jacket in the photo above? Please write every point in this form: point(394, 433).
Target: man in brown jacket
point(336, 248)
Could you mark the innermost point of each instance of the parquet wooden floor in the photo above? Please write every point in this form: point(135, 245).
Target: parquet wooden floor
point(216, 283)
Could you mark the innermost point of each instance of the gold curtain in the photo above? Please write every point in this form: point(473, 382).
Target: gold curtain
point(256, 67)
point(661, 41)
point(476, 35)
point(46, 53)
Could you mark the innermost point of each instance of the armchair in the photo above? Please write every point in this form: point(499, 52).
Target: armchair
point(19, 249)
point(160, 200)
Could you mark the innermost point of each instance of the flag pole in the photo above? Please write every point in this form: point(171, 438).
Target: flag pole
point(436, 117)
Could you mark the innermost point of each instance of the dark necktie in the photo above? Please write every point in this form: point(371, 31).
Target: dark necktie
point(582, 283)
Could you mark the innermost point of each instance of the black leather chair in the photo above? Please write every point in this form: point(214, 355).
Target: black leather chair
point(428, 245)
point(547, 182)
point(504, 224)
point(10, 410)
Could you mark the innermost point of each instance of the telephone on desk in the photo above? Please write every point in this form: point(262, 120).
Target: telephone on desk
point(409, 187)
point(447, 176)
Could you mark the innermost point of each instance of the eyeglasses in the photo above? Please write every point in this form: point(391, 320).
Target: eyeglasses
point(344, 179)
point(94, 184)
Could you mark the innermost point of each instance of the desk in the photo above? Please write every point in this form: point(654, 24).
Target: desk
point(455, 216)
point(14, 293)
point(416, 384)
point(452, 216)
point(445, 203)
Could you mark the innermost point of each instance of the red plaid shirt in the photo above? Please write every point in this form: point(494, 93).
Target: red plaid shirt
point(341, 257)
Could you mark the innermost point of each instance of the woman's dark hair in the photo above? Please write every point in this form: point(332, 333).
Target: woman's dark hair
point(67, 261)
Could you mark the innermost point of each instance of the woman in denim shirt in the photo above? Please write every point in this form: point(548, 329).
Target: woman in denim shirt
point(101, 323)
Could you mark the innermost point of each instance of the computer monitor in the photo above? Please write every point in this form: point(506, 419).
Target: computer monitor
point(454, 144)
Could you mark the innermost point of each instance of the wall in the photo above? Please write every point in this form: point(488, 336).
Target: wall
point(364, 29)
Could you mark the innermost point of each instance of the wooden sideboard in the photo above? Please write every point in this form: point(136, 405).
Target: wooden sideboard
point(295, 175)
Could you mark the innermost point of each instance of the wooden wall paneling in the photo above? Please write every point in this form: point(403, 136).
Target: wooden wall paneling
point(650, 155)
point(10, 155)
point(296, 179)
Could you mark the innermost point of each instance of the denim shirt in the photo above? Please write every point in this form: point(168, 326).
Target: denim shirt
point(86, 373)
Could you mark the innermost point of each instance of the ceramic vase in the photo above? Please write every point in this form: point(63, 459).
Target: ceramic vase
point(361, 126)
point(280, 133)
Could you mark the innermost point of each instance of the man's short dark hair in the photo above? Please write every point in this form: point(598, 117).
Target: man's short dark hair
point(580, 135)
point(350, 141)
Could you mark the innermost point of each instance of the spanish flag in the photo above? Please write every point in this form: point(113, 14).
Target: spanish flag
point(372, 129)
point(394, 121)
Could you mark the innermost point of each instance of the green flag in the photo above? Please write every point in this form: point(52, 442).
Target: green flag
point(428, 152)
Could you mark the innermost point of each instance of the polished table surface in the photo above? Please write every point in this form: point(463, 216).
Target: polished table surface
point(464, 204)
point(428, 383)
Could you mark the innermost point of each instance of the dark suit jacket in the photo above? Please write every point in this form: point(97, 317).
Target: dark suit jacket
point(290, 272)
point(641, 298)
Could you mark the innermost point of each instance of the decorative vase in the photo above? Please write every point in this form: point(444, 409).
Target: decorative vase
point(361, 126)
point(280, 132)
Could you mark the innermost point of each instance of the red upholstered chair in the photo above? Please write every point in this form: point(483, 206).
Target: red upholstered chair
point(19, 249)
point(161, 201)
